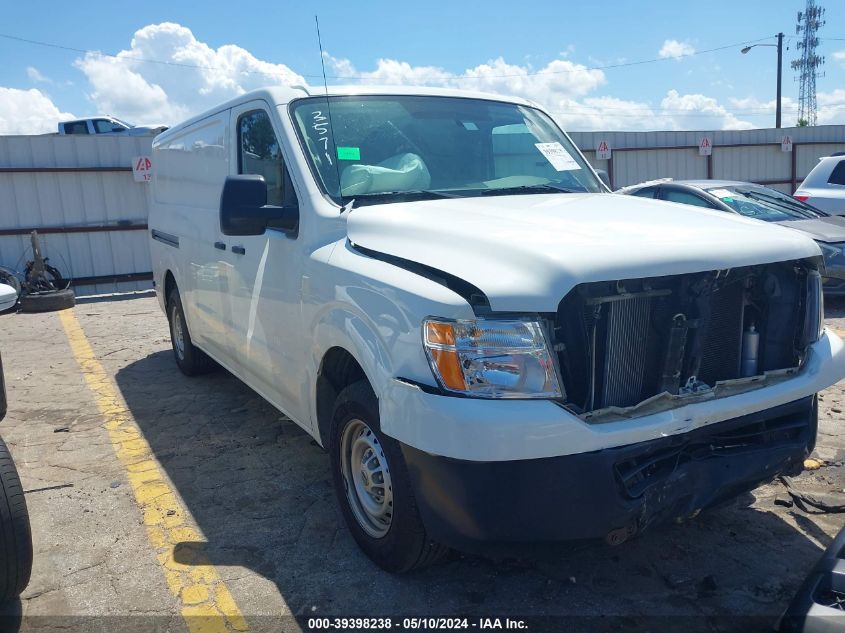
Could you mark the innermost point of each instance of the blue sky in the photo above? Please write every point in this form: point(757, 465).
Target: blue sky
point(434, 43)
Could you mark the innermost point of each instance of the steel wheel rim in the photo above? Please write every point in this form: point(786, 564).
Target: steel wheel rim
point(366, 475)
point(177, 333)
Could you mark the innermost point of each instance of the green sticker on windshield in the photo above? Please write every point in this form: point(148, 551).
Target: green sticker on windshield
point(349, 153)
point(728, 199)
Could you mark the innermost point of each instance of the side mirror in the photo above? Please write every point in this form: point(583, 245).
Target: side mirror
point(244, 209)
point(604, 177)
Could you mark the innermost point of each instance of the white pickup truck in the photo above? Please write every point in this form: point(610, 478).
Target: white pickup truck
point(107, 126)
point(494, 349)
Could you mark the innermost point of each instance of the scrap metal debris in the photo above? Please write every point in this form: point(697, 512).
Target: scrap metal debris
point(809, 503)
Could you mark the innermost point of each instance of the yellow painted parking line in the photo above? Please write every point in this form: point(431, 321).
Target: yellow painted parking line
point(205, 601)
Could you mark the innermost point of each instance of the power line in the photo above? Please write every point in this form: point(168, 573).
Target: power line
point(145, 60)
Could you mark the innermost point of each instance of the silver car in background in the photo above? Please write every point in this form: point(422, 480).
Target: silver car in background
point(760, 203)
point(824, 186)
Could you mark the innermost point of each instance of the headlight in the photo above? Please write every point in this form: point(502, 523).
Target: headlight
point(489, 358)
point(813, 309)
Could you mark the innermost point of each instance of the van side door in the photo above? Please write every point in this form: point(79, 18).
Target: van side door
point(265, 272)
point(191, 167)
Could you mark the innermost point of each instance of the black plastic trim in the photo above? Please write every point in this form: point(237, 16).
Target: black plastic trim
point(165, 238)
point(473, 295)
point(807, 613)
point(475, 505)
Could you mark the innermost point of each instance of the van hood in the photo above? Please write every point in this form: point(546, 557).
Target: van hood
point(526, 252)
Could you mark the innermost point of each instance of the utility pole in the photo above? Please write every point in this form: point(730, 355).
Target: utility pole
point(780, 70)
point(779, 46)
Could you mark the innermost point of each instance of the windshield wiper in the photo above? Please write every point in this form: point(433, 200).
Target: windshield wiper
point(794, 208)
point(544, 188)
point(389, 196)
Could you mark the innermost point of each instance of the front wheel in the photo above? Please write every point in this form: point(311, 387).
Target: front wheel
point(190, 359)
point(373, 488)
point(15, 535)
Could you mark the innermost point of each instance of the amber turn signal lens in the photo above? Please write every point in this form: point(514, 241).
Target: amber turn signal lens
point(449, 366)
point(437, 333)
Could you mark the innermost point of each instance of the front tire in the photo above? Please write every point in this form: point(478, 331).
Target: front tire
point(190, 358)
point(15, 534)
point(373, 487)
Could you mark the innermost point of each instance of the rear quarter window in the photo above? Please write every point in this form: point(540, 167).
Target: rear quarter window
point(837, 176)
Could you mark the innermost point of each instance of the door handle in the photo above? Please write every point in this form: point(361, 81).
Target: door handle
point(239, 250)
point(220, 246)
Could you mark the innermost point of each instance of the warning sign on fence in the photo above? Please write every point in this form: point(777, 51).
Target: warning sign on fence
point(705, 146)
point(142, 168)
point(603, 150)
point(786, 144)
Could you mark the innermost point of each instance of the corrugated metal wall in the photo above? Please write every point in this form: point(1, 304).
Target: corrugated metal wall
point(737, 154)
point(54, 181)
point(77, 181)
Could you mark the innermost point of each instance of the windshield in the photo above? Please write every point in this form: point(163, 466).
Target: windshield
point(380, 148)
point(762, 203)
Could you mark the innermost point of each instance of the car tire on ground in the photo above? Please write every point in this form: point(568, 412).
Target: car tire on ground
point(48, 301)
point(373, 487)
point(15, 535)
point(190, 359)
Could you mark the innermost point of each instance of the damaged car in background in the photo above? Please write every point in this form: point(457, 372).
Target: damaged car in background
point(438, 287)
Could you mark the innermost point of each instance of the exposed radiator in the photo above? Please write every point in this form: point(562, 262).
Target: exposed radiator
point(625, 351)
point(721, 350)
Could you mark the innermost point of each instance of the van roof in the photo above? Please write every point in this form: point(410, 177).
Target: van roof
point(282, 95)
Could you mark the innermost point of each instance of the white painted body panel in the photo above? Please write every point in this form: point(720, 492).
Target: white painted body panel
point(8, 297)
point(526, 252)
point(485, 430)
point(271, 315)
point(821, 194)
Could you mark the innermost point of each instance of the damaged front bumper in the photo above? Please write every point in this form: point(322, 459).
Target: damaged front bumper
point(612, 493)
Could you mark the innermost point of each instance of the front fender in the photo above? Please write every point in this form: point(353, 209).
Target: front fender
point(374, 311)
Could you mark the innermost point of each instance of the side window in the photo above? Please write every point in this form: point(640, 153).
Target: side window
point(837, 176)
point(645, 192)
point(102, 126)
point(685, 197)
point(259, 153)
point(76, 127)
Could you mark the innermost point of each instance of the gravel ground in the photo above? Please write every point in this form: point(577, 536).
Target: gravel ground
point(257, 489)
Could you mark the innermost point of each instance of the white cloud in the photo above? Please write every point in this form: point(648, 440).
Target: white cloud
point(28, 112)
point(35, 75)
point(839, 58)
point(691, 111)
point(563, 87)
point(558, 79)
point(674, 49)
point(196, 76)
point(831, 108)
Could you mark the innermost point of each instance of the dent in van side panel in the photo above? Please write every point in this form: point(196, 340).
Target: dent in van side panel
point(374, 311)
point(190, 169)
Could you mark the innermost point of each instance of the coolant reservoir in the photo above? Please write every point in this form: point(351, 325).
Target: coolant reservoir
point(750, 347)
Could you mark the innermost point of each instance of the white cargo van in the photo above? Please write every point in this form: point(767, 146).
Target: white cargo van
point(494, 349)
